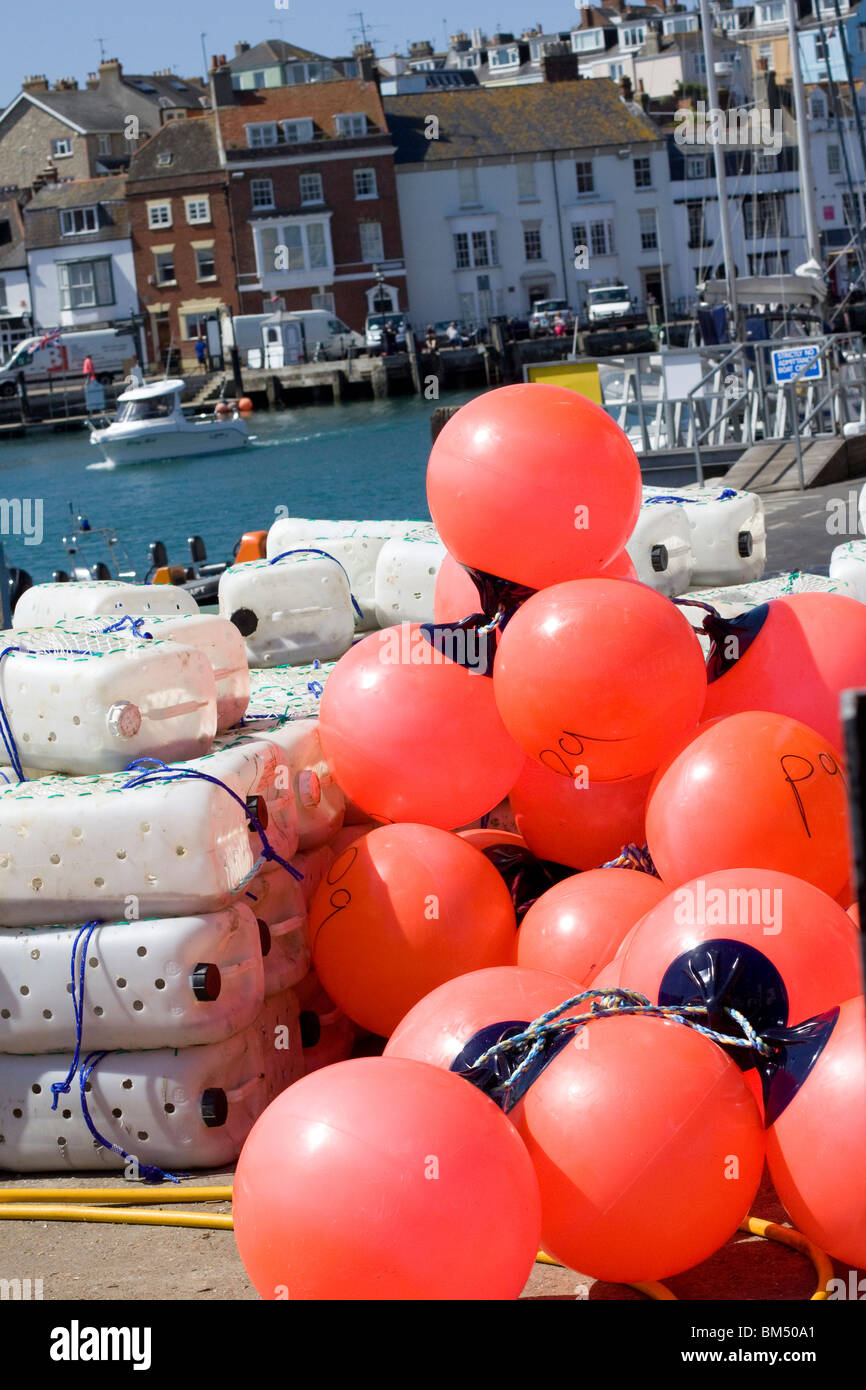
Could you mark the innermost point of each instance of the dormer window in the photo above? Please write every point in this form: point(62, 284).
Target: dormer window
point(298, 132)
point(351, 126)
point(772, 13)
point(258, 136)
point(585, 40)
point(633, 36)
point(164, 159)
point(503, 57)
point(77, 221)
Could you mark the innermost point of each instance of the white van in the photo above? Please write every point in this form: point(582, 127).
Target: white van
point(605, 302)
point(318, 326)
point(60, 356)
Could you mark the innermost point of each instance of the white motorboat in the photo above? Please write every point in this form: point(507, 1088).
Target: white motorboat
point(150, 425)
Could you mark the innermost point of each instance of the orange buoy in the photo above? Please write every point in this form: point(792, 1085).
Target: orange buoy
point(253, 546)
point(244, 405)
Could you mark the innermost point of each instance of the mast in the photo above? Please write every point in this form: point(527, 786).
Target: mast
point(719, 156)
point(807, 182)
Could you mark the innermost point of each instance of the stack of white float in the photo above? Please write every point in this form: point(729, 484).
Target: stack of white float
point(698, 535)
point(155, 1023)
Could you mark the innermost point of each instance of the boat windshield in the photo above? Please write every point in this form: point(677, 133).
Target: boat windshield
point(156, 409)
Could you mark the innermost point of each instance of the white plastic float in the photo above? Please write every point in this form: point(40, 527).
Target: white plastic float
point(660, 548)
point(45, 604)
point(286, 692)
point(279, 1025)
point(82, 705)
point(218, 639)
point(405, 581)
point(289, 611)
point(728, 531)
point(164, 982)
point(191, 1108)
point(848, 564)
point(75, 849)
point(741, 598)
point(320, 803)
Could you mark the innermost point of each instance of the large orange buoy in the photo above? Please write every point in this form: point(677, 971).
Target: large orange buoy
point(578, 925)
point(533, 483)
point(440, 1025)
point(803, 953)
point(648, 1148)
point(599, 678)
point(412, 736)
point(815, 1148)
point(484, 839)
point(402, 910)
point(582, 826)
point(757, 789)
point(809, 648)
point(384, 1178)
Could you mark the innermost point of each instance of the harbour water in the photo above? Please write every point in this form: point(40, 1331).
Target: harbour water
point(362, 459)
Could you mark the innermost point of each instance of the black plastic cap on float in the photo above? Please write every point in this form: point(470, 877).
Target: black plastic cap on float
point(245, 621)
point(659, 558)
point(745, 544)
point(206, 982)
point(214, 1107)
point(264, 936)
point(311, 1028)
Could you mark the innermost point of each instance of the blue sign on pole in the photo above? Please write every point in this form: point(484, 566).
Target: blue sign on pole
point(788, 363)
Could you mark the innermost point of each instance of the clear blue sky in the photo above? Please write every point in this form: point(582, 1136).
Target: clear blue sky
point(59, 37)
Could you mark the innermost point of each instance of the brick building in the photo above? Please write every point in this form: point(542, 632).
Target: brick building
point(313, 195)
point(177, 198)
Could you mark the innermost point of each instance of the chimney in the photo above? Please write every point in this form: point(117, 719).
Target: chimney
point(366, 60)
point(110, 72)
point(651, 42)
point(241, 48)
point(558, 63)
point(92, 82)
point(66, 84)
point(35, 84)
point(221, 89)
point(625, 87)
point(422, 49)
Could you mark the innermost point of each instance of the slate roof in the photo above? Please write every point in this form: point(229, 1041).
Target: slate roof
point(191, 143)
point(182, 91)
point(92, 112)
point(491, 121)
point(42, 213)
point(319, 101)
point(272, 51)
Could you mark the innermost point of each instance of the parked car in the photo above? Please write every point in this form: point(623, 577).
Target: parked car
point(60, 356)
point(544, 315)
point(376, 323)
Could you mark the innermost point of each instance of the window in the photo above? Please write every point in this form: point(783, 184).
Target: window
point(766, 163)
point(85, 284)
point(697, 224)
point(834, 159)
point(365, 183)
point(649, 237)
point(350, 127)
point(616, 71)
point(205, 266)
point(764, 216)
point(583, 42)
point(164, 262)
point(298, 246)
point(642, 172)
point(298, 132)
point(372, 246)
point(262, 193)
point(503, 57)
point(697, 167)
point(467, 180)
point(820, 50)
point(769, 263)
point(819, 108)
point(850, 210)
point(532, 243)
point(311, 188)
point(585, 178)
point(526, 190)
point(104, 144)
point(258, 80)
point(159, 215)
point(77, 221)
point(482, 250)
point(195, 325)
point(197, 210)
point(260, 135)
point(633, 36)
point(771, 14)
point(323, 301)
point(597, 237)
point(164, 159)
point(62, 148)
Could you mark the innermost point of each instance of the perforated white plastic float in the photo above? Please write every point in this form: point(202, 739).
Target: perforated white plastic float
point(289, 611)
point(74, 849)
point(848, 563)
point(728, 531)
point(744, 596)
point(80, 705)
point(406, 574)
point(45, 604)
point(660, 548)
point(319, 801)
point(279, 1025)
point(218, 639)
point(164, 982)
point(191, 1108)
point(286, 692)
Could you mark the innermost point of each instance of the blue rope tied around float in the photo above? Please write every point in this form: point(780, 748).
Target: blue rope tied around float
point(134, 625)
point(149, 1171)
point(607, 1003)
point(634, 857)
point(309, 550)
point(6, 730)
point(59, 1088)
point(157, 771)
point(724, 496)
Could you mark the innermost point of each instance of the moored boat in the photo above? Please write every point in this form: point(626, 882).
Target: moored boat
point(151, 426)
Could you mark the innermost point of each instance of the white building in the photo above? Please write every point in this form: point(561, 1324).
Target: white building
point(530, 192)
point(79, 254)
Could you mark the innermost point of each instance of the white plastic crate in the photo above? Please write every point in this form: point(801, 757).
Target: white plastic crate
point(190, 1108)
point(660, 548)
point(165, 982)
point(320, 804)
point(289, 611)
point(45, 604)
point(406, 573)
point(218, 639)
point(80, 705)
point(728, 531)
point(74, 849)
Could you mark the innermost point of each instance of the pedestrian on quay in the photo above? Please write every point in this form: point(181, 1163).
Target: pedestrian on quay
point(88, 369)
point(201, 353)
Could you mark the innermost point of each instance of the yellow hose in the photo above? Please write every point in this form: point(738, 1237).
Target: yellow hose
point(95, 1196)
point(46, 1211)
point(785, 1235)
